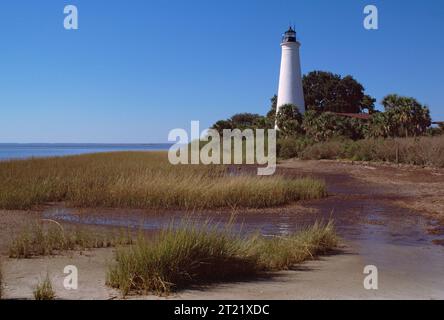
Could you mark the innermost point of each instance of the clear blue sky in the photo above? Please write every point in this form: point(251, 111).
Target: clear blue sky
point(137, 69)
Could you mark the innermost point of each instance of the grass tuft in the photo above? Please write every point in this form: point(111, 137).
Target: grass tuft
point(44, 291)
point(195, 254)
point(282, 253)
point(40, 240)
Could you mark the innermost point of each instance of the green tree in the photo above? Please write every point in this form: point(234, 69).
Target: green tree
point(271, 115)
point(325, 91)
point(289, 121)
point(406, 116)
point(245, 120)
point(368, 103)
point(221, 125)
point(242, 121)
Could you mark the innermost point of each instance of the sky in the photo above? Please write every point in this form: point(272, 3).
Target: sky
point(136, 69)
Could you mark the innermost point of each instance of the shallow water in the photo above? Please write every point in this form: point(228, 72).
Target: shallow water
point(369, 222)
point(360, 214)
point(39, 150)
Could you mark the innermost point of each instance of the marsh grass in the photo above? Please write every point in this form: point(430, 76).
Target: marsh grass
point(44, 290)
point(197, 254)
point(38, 239)
point(282, 253)
point(142, 180)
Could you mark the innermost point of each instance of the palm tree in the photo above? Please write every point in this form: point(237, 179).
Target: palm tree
point(406, 116)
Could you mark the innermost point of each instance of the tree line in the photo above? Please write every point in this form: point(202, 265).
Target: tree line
point(327, 95)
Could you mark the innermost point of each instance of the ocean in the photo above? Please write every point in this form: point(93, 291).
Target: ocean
point(40, 150)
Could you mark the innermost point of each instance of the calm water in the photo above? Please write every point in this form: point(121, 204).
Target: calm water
point(22, 151)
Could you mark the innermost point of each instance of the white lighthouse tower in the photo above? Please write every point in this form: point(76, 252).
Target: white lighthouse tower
point(290, 80)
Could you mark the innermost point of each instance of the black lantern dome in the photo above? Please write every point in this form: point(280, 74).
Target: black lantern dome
point(289, 36)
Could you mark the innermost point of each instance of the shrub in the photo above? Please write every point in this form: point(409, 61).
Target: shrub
point(292, 147)
point(324, 150)
point(324, 126)
point(423, 151)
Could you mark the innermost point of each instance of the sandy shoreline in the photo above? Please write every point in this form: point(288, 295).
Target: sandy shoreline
point(332, 277)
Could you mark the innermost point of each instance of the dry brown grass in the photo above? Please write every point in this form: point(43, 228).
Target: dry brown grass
point(422, 151)
point(141, 180)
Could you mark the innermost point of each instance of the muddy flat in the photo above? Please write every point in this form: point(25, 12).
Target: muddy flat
point(388, 216)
